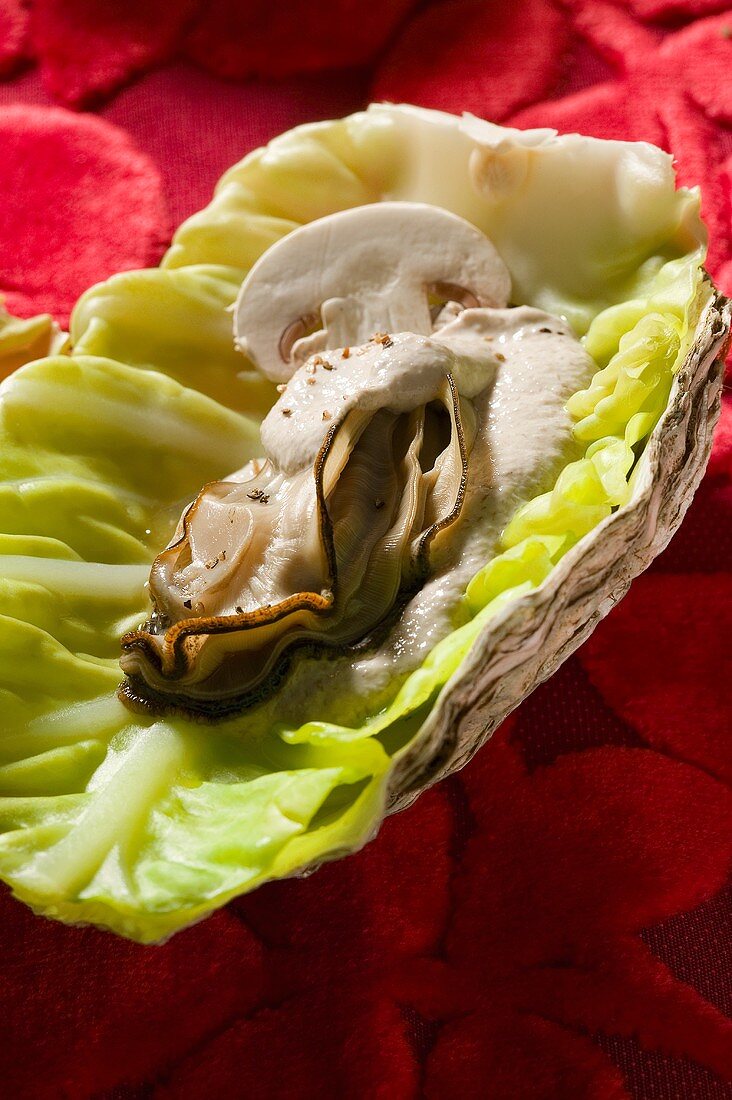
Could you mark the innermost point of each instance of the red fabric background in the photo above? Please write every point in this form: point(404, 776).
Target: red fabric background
point(554, 922)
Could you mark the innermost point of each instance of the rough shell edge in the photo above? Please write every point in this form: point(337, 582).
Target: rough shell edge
point(525, 645)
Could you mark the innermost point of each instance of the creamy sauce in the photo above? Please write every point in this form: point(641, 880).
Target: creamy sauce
point(520, 366)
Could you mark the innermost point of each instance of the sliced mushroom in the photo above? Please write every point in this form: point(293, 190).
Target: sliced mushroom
point(358, 272)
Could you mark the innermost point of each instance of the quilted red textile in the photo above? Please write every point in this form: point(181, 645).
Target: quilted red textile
point(89, 184)
point(555, 922)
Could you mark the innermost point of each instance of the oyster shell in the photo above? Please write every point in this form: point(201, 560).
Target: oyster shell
point(145, 826)
point(528, 642)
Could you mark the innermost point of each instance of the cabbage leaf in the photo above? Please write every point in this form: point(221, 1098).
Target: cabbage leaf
point(144, 825)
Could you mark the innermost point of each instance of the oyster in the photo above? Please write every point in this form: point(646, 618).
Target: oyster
point(526, 478)
point(274, 556)
point(376, 454)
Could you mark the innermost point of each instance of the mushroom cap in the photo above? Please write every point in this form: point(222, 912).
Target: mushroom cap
point(359, 271)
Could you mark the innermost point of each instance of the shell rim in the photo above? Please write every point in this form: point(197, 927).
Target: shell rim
point(484, 690)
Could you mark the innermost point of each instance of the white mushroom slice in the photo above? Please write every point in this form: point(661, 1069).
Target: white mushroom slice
point(357, 272)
